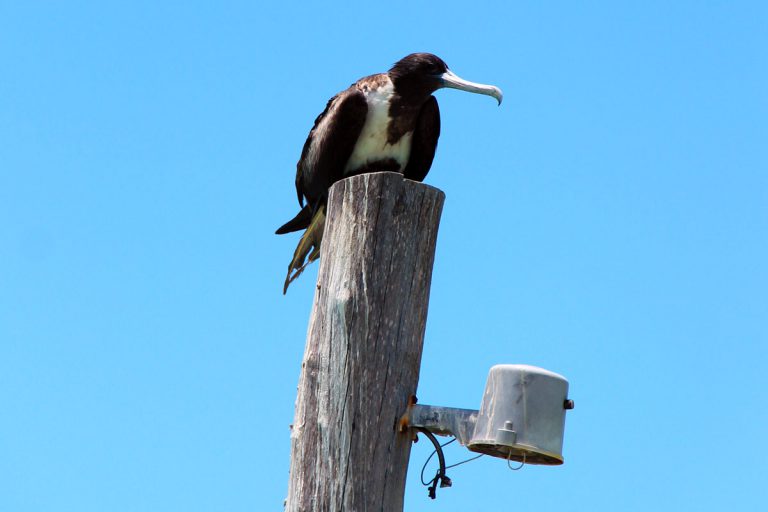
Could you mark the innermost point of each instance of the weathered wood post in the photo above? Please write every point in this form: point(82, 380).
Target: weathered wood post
point(364, 343)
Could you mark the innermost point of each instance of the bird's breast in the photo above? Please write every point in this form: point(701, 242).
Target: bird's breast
point(373, 144)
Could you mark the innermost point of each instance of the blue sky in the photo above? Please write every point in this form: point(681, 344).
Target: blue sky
point(608, 222)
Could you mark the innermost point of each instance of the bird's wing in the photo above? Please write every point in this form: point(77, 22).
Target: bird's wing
point(329, 145)
point(424, 142)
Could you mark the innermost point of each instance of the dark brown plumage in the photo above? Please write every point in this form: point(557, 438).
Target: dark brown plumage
point(384, 122)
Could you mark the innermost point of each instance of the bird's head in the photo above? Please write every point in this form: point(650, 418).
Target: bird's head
point(424, 73)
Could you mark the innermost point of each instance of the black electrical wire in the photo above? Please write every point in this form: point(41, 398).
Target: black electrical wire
point(464, 461)
point(440, 476)
point(437, 447)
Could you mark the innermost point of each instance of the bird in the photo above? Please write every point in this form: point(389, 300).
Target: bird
point(383, 122)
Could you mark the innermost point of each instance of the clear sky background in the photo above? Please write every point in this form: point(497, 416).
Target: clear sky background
point(608, 222)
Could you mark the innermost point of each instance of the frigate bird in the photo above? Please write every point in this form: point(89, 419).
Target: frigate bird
point(384, 122)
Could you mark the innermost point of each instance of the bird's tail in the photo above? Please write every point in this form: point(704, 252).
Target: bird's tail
point(300, 221)
point(308, 249)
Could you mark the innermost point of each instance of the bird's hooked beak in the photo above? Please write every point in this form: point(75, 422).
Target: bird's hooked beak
point(453, 81)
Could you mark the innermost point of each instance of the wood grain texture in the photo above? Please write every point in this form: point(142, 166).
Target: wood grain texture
point(364, 344)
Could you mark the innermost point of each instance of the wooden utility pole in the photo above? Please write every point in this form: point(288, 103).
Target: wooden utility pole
point(361, 363)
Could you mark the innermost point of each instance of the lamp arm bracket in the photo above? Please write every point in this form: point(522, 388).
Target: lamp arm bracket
point(444, 421)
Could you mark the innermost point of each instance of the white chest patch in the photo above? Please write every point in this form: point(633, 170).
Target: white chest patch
point(372, 144)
